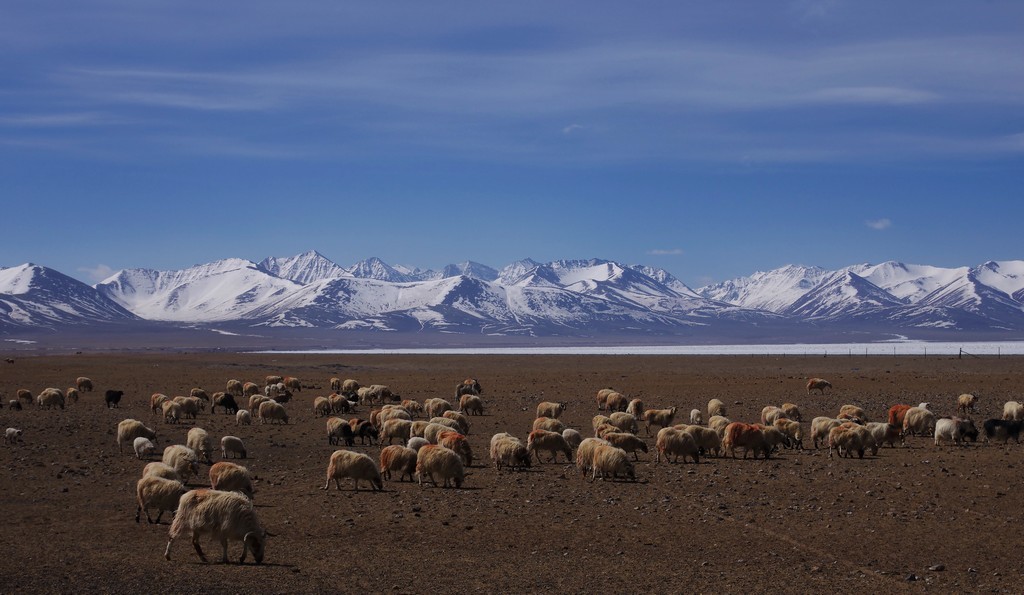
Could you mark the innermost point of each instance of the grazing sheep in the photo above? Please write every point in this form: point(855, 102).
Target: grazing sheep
point(156, 401)
point(130, 429)
point(965, 404)
point(436, 407)
point(339, 404)
point(849, 438)
point(225, 401)
point(433, 430)
point(339, 429)
point(884, 432)
point(820, 427)
point(752, 438)
point(471, 405)
point(397, 458)
point(250, 389)
point(469, 386)
point(243, 418)
point(336, 384)
point(378, 392)
point(955, 430)
point(897, 413)
point(627, 442)
point(198, 440)
point(550, 409)
point(415, 409)
point(292, 383)
point(269, 380)
point(349, 388)
point(321, 407)
point(25, 395)
point(715, 407)
point(617, 402)
point(636, 408)
point(225, 516)
point(1003, 429)
point(160, 469)
point(12, 435)
point(447, 422)
point(144, 447)
point(232, 445)
point(550, 441)
point(708, 441)
point(793, 430)
point(365, 430)
point(357, 465)
point(458, 418)
point(771, 413)
point(852, 412)
point(585, 453)
point(159, 493)
point(1013, 410)
point(658, 417)
point(84, 384)
point(183, 460)
point(549, 424)
point(919, 421)
point(696, 417)
point(433, 461)
point(792, 412)
point(190, 406)
point(818, 384)
point(235, 388)
point(600, 420)
point(509, 451)
point(172, 412)
point(611, 461)
point(72, 395)
point(50, 397)
point(458, 444)
point(395, 428)
point(673, 442)
point(718, 423)
point(417, 442)
point(200, 394)
point(230, 477)
point(271, 411)
point(624, 421)
point(602, 398)
point(606, 428)
point(572, 437)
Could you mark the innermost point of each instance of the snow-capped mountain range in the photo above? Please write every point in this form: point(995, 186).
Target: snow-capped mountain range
point(564, 298)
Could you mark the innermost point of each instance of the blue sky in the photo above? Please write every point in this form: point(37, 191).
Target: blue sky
point(712, 139)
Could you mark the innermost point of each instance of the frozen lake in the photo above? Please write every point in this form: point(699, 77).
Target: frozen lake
point(887, 348)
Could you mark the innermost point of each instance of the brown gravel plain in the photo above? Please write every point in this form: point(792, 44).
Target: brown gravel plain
point(919, 518)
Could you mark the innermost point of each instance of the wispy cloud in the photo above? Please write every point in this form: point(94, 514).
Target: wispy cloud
point(53, 120)
point(571, 128)
point(96, 273)
point(665, 252)
point(879, 224)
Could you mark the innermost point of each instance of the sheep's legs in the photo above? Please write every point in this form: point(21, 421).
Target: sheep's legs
point(195, 544)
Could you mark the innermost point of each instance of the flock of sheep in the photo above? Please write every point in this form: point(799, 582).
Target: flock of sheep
point(436, 449)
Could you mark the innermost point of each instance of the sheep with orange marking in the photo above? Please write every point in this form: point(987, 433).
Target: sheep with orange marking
point(550, 441)
point(50, 398)
point(397, 458)
point(715, 408)
point(434, 430)
point(897, 413)
point(509, 451)
point(471, 405)
point(435, 462)
point(627, 442)
point(458, 444)
point(752, 438)
point(292, 383)
point(231, 477)
point(551, 409)
point(585, 453)
point(818, 384)
point(156, 492)
point(355, 465)
point(658, 417)
point(225, 516)
point(675, 443)
point(609, 461)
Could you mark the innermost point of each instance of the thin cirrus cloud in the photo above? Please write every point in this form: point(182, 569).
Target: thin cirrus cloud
point(665, 252)
point(879, 224)
point(97, 273)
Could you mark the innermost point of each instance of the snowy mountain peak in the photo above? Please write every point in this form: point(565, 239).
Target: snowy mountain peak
point(773, 290)
point(308, 267)
point(512, 274)
point(375, 268)
point(470, 269)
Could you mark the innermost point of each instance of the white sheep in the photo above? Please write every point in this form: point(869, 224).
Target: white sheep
point(883, 432)
point(715, 407)
point(172, 412)
point(585, 453)
point(395, 428)
point(156, 401)
point(433, 462)
point(919, 421)
point(255, 401)
point(232, 445)
point(271, 411)
point(183, 460)
point(436, 407)
point(50, 397)
point(156, 492)
point(820, 428)
point(243, 418)
point(159, 469)
point(818, 384)
point(572, 437)
point(550, 409)
point(417, 442)
point(627, 442)
point(143, 447)
point(770, 413)
point(602, 398)
point(696, 418)
point(130, 429)
point(321, 407)
point(225, 515)
point(707, 439)
point(624, 422)
point(852, 412)
point(460, 419)
point(548, 424)
point(231, 477)
point(357, 465)
point(198, 440)
point(509, 451)
point(12, 435)
point(635, 408)
point(1013, 410)
point(398, 458)
point(955, 430)
point(433, 430)
point(658, 417)
point(792, 411)
point(966, 404)
point(675, 443)
point(611, 461)
point(617, 402)
point(338, 429)
point(413, 406)
point(793, 430)
point(552, 442)
point(471, 404)
point(718, 423)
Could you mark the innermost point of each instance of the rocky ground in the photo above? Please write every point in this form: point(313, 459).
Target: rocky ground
point(941, 519)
